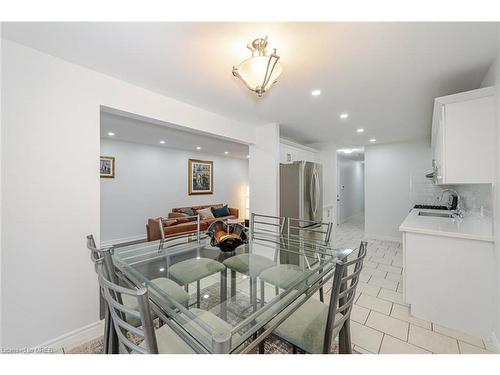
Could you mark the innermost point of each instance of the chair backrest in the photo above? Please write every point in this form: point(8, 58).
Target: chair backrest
point(164, 239)
point(113, 294)
point(103, 256)
point(343, 294)
point(309, 230)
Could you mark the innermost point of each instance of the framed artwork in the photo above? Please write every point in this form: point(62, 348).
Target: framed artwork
point(107, 167)
point(200, 177)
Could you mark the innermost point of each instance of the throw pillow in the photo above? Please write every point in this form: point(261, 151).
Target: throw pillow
point(169, 222)
point(221, 211)
point(188, 212)
point(206, 213)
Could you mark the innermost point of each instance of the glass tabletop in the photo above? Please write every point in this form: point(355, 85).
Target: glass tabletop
point(220, 301)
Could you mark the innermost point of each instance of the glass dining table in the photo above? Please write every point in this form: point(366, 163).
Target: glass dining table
point(269, 278)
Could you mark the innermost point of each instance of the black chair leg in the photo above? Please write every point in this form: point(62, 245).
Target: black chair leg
point(294, 350)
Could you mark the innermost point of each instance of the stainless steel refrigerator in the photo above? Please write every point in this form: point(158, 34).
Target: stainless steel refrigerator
point(301, 191)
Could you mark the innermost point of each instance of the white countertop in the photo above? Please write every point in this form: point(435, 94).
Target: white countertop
point(471, 226)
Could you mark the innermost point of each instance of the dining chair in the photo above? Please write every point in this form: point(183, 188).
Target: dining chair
point(250, 264)
point(167, 286)
point(193, 269)
point(314, 325)
point(305, 234)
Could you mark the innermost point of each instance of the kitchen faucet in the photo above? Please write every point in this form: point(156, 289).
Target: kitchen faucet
point(458, 211)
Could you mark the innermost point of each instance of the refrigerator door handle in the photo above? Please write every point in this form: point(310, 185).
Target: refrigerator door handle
point(313, 192)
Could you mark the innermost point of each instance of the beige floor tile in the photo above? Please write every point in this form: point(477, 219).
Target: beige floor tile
point(466, 348)
point(458, 335)
point(359, 313)
point(374, 303)
point(392, 296)
point(394, 277)
point(364, 277)
point(369, 264)
point(369, 289)
point(383, 283)
point(391, 345)
point(374, 272)
point(403, 313)
point(432, 341)
point(361, 350)
point(382, 260)
point(391, 269)
point(388, 325)
point(365, 337)
point(397, 262)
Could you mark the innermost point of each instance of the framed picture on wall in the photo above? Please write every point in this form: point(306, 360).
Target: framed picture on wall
point(200, 177)
point(107, 167)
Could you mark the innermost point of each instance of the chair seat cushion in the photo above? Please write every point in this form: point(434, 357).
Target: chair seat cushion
point(305, 328)
point(249, 264)
point(169, 342)
point(167, 286)
point(282, 275)
point(194, 269)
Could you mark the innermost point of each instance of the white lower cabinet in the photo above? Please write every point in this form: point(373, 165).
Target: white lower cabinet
point(450, 281)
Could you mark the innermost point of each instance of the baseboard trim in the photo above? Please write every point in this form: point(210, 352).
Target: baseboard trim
point(495, 343)
point(383, 238)
point(116, 241)
point(76, 337)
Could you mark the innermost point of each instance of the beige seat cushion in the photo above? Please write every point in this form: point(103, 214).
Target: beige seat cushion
point(194, 269)
point(249, 264)
point(305, 328)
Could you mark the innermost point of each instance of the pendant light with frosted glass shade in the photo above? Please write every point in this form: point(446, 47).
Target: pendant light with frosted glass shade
point(260, 71)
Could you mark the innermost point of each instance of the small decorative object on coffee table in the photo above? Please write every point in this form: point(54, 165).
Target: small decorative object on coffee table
point(225, 236)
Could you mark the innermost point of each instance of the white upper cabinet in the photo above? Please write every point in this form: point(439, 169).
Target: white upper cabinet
point(464, 137)
point(291, 151)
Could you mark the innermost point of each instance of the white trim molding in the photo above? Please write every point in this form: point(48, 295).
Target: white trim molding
point(382, 238)
point(76, 337)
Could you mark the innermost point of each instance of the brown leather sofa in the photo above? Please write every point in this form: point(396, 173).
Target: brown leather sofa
point(177, 222)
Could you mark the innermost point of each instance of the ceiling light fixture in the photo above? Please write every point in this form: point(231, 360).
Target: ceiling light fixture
point(226, 152)
point(343, 116)
point(360, 130)
point(162, 142)
point(198, 147)
point(316, 92)
point(111, 134)
point(373, 140)
point(260, 71)
point(347, 150)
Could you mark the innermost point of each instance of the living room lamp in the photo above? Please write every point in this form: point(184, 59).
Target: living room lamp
point(260, 71)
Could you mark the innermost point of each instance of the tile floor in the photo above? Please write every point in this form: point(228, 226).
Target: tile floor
point(381, 321)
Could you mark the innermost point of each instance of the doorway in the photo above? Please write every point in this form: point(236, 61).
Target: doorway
point(351, 185)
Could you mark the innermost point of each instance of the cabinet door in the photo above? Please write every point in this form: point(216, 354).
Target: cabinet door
point(469, 141)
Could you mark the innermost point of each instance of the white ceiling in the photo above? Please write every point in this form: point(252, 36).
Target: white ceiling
point(357, 154)
point(135, 130)
point(385, 75)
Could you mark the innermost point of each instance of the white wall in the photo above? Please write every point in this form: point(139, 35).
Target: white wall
point(388, 171)
point(151, 180)
point(492, 78)
point(50, 185)
point(351, 188)
point(264, 171)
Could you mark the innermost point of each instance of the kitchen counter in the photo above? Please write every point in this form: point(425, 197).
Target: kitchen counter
point(471, 226)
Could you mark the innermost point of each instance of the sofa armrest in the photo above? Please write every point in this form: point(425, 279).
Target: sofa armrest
point(175, 215)
point(153, 230)
point(234, 212)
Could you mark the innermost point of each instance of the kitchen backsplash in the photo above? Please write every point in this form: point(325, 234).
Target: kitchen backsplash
point(473, 196)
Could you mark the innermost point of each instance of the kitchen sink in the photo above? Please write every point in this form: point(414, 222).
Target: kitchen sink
point(436, 214)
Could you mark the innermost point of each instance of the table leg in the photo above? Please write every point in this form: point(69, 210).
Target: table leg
point(262, 293)
point(233, 283)
point(223, 294)
point(253, 295)
point(198, 293)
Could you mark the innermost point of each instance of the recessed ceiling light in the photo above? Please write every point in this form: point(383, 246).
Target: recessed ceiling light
point(316, 92)
point(198, 147)
point(226, 152)
point(360, 130)
point(347, 150)
point(344, 115)
point(111, 134)
point(162, 142)
point(373, 140)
